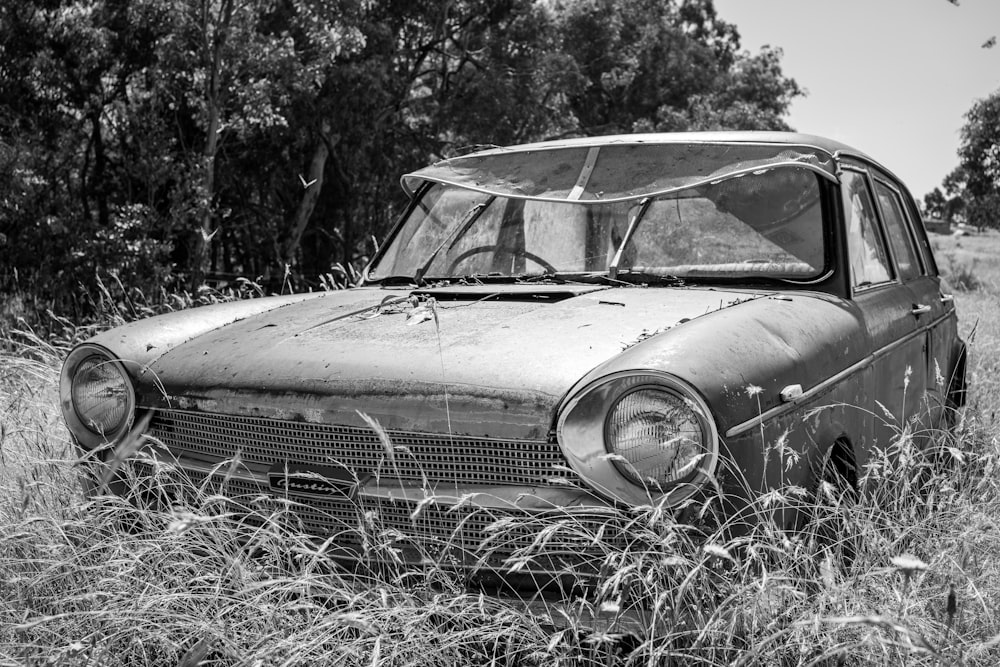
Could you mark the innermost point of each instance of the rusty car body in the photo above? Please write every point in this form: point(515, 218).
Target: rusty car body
point(557, 329)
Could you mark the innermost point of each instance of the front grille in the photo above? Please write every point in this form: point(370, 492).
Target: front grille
point(425, 457)
point(473, 538)
point(476, 539)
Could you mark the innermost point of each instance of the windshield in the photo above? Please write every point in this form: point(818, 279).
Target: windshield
point(764, 223)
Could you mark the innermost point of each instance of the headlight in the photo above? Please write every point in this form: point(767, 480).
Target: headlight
point(100, 395)
point(640, 437)
point(97, 396)
point(658, 436)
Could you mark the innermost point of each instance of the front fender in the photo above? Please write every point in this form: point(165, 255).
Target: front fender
point(741, 359)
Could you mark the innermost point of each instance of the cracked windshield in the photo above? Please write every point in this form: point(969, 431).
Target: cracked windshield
point(765, 223)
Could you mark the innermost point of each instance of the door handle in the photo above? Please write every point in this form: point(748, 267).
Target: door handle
point(920, 309)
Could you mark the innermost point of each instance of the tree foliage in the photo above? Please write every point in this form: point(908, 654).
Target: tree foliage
point(972, 190)
point(979, 170)
point(170, 140)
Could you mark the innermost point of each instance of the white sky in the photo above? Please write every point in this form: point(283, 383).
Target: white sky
point(892, 78)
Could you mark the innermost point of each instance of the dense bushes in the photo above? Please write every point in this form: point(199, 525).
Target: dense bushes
point(170, 145)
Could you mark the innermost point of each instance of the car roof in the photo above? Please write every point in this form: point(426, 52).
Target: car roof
point(830, 146)
point(630, 166)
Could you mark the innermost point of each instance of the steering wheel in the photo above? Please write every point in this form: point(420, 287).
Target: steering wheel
point(478, 250)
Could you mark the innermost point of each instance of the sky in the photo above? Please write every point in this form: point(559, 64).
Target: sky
point(892, 78)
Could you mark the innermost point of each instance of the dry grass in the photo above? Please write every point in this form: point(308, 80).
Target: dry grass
point(908, 574)
point(976, 259)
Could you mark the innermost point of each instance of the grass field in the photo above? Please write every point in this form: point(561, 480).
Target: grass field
point(913, 580)
point(974, 262)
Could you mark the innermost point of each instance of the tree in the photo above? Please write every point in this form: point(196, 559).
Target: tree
point(249, 79)
point(64, 202)
point(651, 65)
point(976, 181)
point(934, 204)
point(948, 206)
point(175, 139)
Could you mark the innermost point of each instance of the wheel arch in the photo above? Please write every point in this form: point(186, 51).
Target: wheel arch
point(958, 383)
point(842, 458)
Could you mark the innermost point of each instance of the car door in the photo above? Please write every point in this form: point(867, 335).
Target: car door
point(897, 357)
point(934, 309)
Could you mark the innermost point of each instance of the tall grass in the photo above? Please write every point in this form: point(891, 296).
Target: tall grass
point(905, 573)
point(111, 304)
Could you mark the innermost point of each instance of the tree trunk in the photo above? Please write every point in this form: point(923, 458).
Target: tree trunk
point(312, 185)
point(99, 186)
point(213, 44)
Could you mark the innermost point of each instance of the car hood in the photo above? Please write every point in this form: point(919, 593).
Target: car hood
point(491, 361)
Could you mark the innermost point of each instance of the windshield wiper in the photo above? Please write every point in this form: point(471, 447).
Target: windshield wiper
point(625, 278)
point(450, 239)
point(484, 278)
point(543, 278)
point(633, 223)
point(584, 277)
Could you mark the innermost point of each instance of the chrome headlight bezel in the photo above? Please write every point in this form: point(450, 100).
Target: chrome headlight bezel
point(87, 432)
point(582, 431)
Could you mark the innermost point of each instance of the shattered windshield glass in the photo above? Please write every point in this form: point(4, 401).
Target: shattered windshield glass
point(755, 216)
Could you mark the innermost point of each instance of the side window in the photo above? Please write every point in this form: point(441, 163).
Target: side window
point(899, 236)
point(866, 247)
point(920, 235)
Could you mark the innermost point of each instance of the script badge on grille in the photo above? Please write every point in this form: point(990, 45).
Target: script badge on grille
point(316, 481)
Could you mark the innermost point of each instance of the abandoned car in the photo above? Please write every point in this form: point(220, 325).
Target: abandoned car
point(555, 329)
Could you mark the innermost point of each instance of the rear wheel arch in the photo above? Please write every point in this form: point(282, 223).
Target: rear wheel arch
point(958, 386)
point(836, 533)
point(840, 466)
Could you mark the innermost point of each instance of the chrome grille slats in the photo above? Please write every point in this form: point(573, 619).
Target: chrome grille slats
point(436, 458)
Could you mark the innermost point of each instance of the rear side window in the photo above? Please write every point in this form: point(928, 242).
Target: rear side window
point(868, 255)
point(897, 227)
